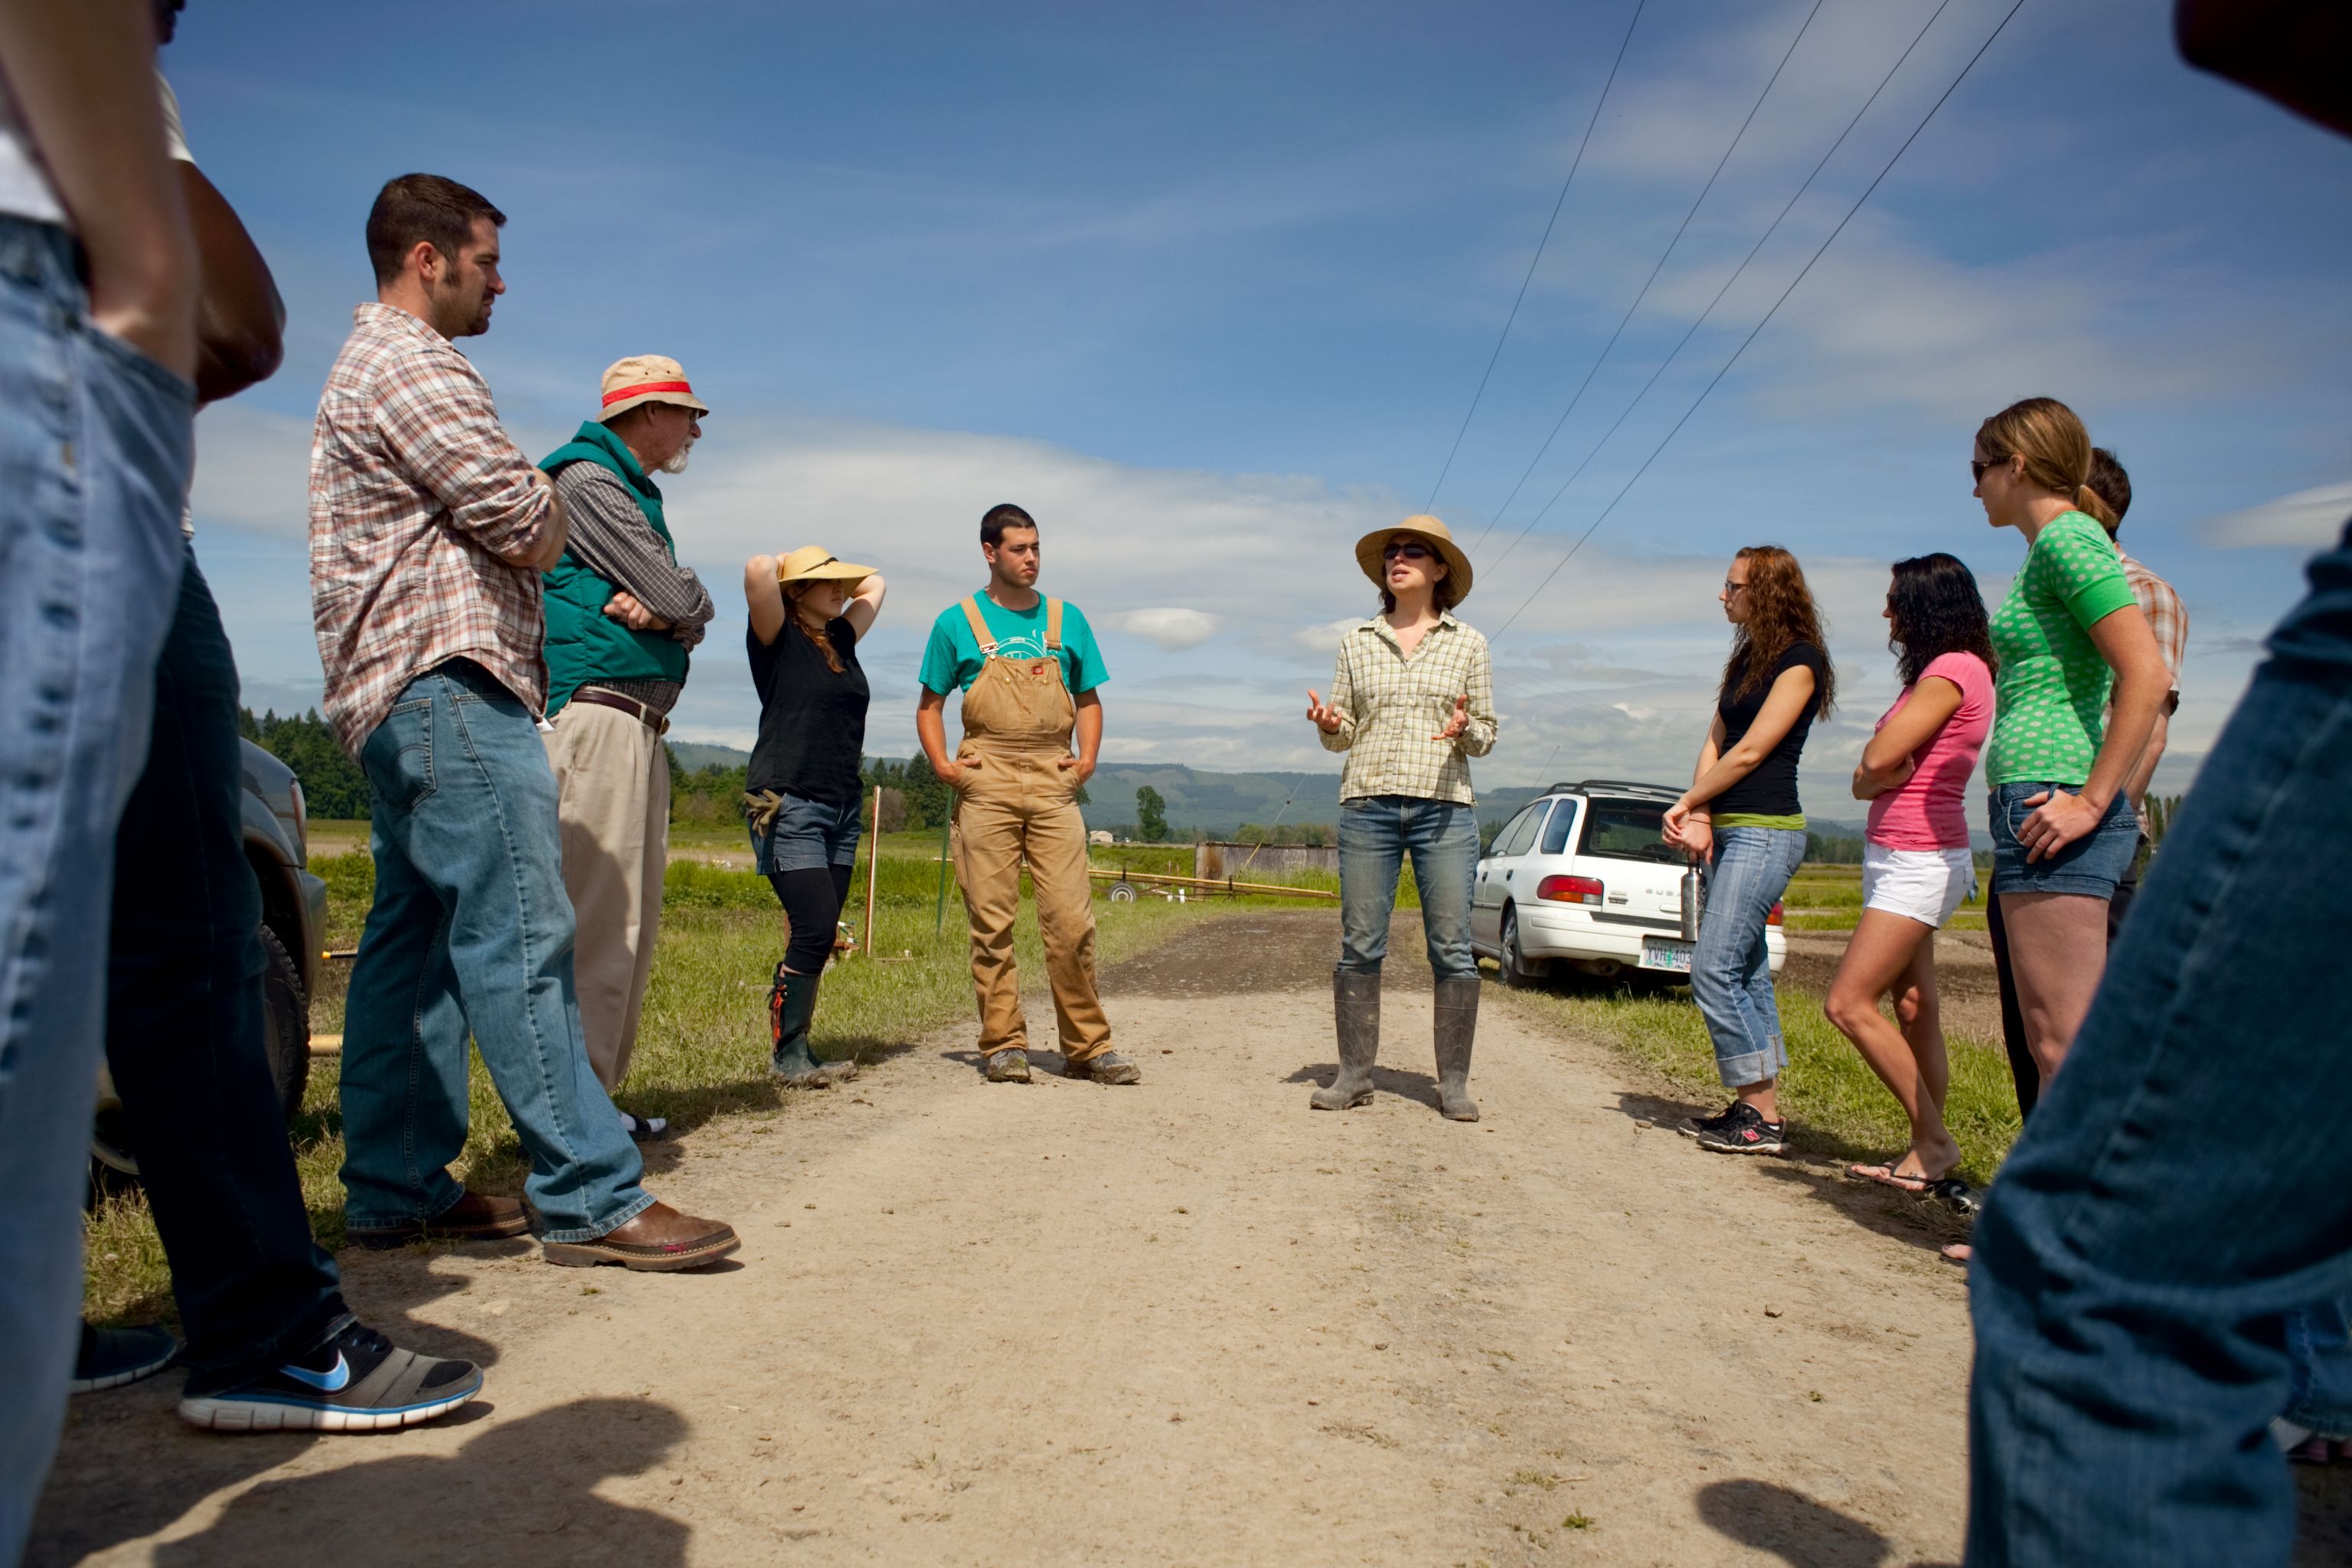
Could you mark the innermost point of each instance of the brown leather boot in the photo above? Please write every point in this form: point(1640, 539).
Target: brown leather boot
point(658, 1240)
point(476, 1217)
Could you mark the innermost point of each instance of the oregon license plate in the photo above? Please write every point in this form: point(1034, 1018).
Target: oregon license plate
point(1657, 952)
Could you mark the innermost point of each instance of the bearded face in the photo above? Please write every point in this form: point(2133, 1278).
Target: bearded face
point(676, 464)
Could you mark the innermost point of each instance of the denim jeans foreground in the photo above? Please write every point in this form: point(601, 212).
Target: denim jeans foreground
point(1731, 968)
point(1376, 833)
point(94, 440)
point(2178, 1193)
point(470, 930)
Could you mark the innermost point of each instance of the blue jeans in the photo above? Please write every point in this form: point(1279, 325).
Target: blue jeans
point(2319, 1343)
point(2179, 1191)
point(94, 455)
point(1376, 833)
point(1731, 968)
point(807, 835)
point(470, 930)
point(2093, 865)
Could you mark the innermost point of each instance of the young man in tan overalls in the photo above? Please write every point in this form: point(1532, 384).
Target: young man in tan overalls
point(1028, 668)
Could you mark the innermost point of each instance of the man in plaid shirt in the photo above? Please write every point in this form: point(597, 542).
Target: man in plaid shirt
point(428, 530)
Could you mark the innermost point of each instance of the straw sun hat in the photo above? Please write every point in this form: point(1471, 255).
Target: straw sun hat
point(647, 378)
point(815, 562)
point(1429, 531)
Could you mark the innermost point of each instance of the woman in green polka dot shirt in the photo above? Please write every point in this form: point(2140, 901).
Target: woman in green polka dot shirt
point(2069, 633)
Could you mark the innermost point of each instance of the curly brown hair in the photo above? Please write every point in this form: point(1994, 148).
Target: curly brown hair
point(1781, 615)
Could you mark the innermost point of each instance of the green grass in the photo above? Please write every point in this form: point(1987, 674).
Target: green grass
point(702, 1047)
point(1836, 1107)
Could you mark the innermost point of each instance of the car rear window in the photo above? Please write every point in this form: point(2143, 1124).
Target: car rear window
point(1627, 830)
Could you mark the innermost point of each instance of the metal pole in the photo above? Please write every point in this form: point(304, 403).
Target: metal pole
point(939, 919)
point(873, 861)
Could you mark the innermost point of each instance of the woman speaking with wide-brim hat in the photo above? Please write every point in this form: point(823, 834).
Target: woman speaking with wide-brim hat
point(801, 788)
point(1412, 701)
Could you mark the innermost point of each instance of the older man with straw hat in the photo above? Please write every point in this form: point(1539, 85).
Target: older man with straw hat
point(623, 617)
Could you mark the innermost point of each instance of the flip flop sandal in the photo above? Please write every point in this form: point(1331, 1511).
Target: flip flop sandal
point(1884, 1176)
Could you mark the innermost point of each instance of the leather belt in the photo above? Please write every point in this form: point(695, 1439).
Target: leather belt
point(643, 713)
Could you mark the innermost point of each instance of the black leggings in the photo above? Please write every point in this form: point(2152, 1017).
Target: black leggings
point(811, 901)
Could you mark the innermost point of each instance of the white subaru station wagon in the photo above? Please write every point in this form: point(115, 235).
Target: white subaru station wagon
point(1581, 877)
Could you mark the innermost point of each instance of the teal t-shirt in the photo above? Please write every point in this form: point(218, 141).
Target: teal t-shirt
point(951, 662)
point(2051, 696)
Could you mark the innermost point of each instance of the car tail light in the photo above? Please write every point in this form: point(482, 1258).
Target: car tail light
point(1774, 918)
point(1570, 889)
point(301, 826)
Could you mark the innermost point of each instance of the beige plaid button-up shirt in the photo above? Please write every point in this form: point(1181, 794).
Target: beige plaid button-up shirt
point(1390, 703)
point(418, 500)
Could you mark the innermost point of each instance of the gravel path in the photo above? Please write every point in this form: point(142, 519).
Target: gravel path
point(1185, 1322)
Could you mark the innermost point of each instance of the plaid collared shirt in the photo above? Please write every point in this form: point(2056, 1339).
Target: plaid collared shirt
point(2166, 619)
point(1390, 703)
point(2170, 621)
point(417, 500)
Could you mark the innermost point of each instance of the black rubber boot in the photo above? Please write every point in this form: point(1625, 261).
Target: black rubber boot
point(1457, 1026)
point(791, 1005)
point(1356, 1009)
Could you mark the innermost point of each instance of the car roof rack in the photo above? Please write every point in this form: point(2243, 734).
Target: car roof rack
point(1616, 786)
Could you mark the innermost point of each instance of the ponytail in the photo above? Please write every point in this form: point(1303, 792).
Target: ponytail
point(2090, 501)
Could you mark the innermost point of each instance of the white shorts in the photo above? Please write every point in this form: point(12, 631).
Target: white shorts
point(1923, 885)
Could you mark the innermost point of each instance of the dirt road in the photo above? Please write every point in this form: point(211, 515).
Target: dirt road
point(1186, 1322)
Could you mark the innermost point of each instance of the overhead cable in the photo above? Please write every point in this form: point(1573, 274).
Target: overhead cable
point(1573, 165)
point(1753, 251)
point(1647, 283)
point(1768, 316)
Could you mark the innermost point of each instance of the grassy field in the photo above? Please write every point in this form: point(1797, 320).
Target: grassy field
point(702, 1048)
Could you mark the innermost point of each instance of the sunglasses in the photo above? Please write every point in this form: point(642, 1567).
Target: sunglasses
point(1409, 551)
point(1977, 469)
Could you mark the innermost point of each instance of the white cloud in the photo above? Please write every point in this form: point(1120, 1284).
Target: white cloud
point(1324, 636)
point(2305, 520)
point(1173, 630)
point(253, 469)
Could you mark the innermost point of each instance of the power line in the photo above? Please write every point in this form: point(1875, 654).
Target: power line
point(1759, 326)
point(1736, 272)
point(1573, 165)
point(1647, 283)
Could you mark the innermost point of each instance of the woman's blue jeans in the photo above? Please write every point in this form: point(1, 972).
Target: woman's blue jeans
point(470, 934)
point(1732, 969)
point(1376, 833)
point(2179, 1191)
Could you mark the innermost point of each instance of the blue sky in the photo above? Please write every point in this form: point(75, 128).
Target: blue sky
point(1208, 289)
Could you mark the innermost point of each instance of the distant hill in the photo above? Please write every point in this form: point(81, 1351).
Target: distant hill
point(1218, 804)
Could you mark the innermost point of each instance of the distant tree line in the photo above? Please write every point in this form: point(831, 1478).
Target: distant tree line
point(914, 800)
point(333, 785)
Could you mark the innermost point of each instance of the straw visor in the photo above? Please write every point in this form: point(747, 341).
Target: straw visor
point(815, 562)
point(1427, 528)
point(647, 378)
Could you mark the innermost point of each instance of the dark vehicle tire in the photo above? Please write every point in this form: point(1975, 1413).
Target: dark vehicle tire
point(285, 1041)
point(1121, 893)
point(1514, 963)
point(285, 1022)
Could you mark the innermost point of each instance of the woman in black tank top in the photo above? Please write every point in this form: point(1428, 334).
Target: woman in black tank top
point(809, 612)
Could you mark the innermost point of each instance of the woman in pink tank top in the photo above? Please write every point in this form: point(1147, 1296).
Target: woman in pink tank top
point(1916, 865)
